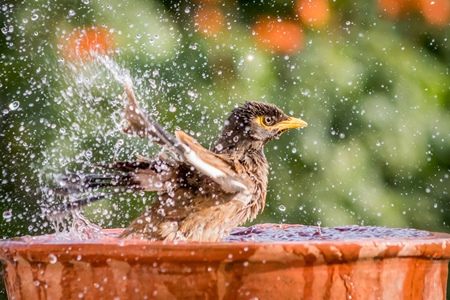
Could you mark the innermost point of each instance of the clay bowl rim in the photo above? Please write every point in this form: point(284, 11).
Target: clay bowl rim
point(435, 246)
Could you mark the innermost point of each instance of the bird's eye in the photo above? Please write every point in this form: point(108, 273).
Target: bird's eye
point(268, 120)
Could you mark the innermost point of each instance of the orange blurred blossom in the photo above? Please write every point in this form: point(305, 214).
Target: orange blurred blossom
point(209, 20)
point(436, 12)
point(83, 43)
point(314, 13)
point(279, 35)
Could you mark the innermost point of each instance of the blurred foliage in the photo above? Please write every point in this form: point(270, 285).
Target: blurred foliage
point(370, 77)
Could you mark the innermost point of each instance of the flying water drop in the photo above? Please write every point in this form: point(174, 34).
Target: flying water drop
point(14, 105)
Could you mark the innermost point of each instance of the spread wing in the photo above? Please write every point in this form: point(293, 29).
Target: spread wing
point(183, 146)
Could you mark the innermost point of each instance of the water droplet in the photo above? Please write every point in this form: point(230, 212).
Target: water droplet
point(172, 109)
point(52, 258)
point(7, 215)
point(282, 208)
point(72, 13)
point(235, 139)
point(158, 184)
point(153, 83)
point(219, 147)
point(192, 94)
point(34, 17)
point(14, 105)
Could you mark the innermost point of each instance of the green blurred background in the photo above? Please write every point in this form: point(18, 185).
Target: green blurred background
point(371, 78)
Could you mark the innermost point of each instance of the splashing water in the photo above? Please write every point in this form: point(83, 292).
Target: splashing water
point(80, 228)
point(120, 74)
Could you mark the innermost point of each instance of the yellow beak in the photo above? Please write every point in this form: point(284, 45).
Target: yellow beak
point(290, 123)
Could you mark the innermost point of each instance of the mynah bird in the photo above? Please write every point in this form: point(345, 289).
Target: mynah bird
point(201, 194)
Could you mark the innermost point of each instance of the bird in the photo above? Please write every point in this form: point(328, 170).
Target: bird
point(202, 194)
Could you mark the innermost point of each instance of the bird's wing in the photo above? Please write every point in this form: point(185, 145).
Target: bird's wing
point(151, 174)
point(184, 146)
point(82, 189)
point(139, 123)
point(212, 165)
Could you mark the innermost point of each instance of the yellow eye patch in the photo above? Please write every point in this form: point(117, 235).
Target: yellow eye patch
point(260, 121)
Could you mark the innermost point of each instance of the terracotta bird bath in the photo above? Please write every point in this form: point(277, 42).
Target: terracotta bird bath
point(261, 262)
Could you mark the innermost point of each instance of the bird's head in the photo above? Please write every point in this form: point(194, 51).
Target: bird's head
point(253, 124)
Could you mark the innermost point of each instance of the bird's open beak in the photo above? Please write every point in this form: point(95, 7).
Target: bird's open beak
point(290, 123)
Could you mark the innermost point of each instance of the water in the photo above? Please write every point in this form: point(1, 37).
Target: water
point(262, 233)
point(120, 74)
point(296, 233)
point(71, 224)
point(79, 229)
